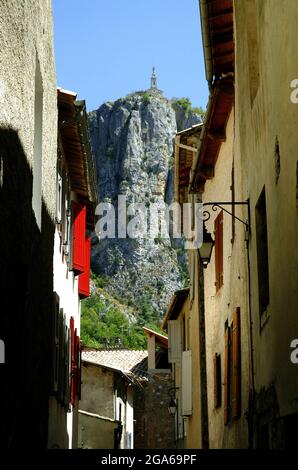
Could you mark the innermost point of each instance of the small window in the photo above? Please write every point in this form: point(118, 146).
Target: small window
point(217, 380)
point(262, 252)
point(218, 230)
point(59, 194)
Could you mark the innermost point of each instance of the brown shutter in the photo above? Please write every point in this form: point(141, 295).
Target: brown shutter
point(217, 380)
point(226, 378)
point(236, 360)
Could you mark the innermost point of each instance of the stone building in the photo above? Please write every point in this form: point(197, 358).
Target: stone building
point(110, 379)
point(266, 123)
point(28, 153)
point(47, 198)
point(244, 169)
point(154, 427)
point(74, 221)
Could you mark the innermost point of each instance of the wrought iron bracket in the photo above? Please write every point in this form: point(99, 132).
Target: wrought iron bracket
point(219, 205)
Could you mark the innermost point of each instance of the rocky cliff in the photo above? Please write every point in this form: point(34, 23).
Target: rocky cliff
point(132, 140)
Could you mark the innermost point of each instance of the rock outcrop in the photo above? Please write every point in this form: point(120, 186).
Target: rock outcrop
point(132, 140)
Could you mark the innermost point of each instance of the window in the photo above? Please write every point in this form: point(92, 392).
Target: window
point(232, 373)
point(59, 193)
point(37, 152)
point(218, 230)
point(262, 252)
point(217, 380)
point(236, 364)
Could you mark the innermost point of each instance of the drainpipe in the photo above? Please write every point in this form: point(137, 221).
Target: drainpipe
point(202, 136)
point(206, 42)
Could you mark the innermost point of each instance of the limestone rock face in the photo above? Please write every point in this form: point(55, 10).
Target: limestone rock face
point(132, 141)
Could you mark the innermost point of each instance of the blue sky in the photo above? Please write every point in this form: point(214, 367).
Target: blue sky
point(107, 48)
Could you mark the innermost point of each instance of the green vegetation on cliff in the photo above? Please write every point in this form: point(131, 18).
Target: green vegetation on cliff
point(107, 320)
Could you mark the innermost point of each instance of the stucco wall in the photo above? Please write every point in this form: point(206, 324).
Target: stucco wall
point(97, 391)
point(219, 305)
point(95, 433)
point(271, 115)
point(26, 35)
point(26, 252)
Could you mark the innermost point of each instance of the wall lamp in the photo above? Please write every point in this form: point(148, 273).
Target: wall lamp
point(208, 242)
point(172, 407)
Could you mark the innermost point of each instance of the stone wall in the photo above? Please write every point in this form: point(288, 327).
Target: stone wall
point(154, 426)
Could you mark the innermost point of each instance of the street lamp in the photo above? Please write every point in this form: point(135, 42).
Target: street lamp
point(172, 408)
point(206, 247)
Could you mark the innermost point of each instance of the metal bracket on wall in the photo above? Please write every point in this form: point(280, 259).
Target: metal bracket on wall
point(219, 205)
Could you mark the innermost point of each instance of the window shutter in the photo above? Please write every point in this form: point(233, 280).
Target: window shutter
point(60, 391)
point(84, 278)
point(67, 369)
point(79, 368)
point(226, 378)
point(73, 358)
point(174, 335)
point(79, 229)
point(56, 339)
point(236, 360)
point(186, 383)
point(217, 380)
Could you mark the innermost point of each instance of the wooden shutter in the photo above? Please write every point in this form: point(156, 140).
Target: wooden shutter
point(84, 278)
point(218, 229)
point(79, 368)
point(186, 383)
point(73, 360)
point(67, 369)
point(174, 335)
point(217, 380)
point(236, 361)
point(226, 377)
point(79, 229)
point(60, 391)
point(55, 342)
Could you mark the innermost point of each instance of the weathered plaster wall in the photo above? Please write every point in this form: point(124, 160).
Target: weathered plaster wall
point(219, 305)
point(269, 116)
point(98, 391)
point(26, 252)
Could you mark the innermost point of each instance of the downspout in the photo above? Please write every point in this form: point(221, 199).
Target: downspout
point(251, 404)
point(202, 136)
point(206, 42)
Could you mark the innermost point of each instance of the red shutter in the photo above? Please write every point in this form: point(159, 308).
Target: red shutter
point(236, 359)
point(226, 378)
point(73, 359)
point(79, 229)
point(84, 278)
